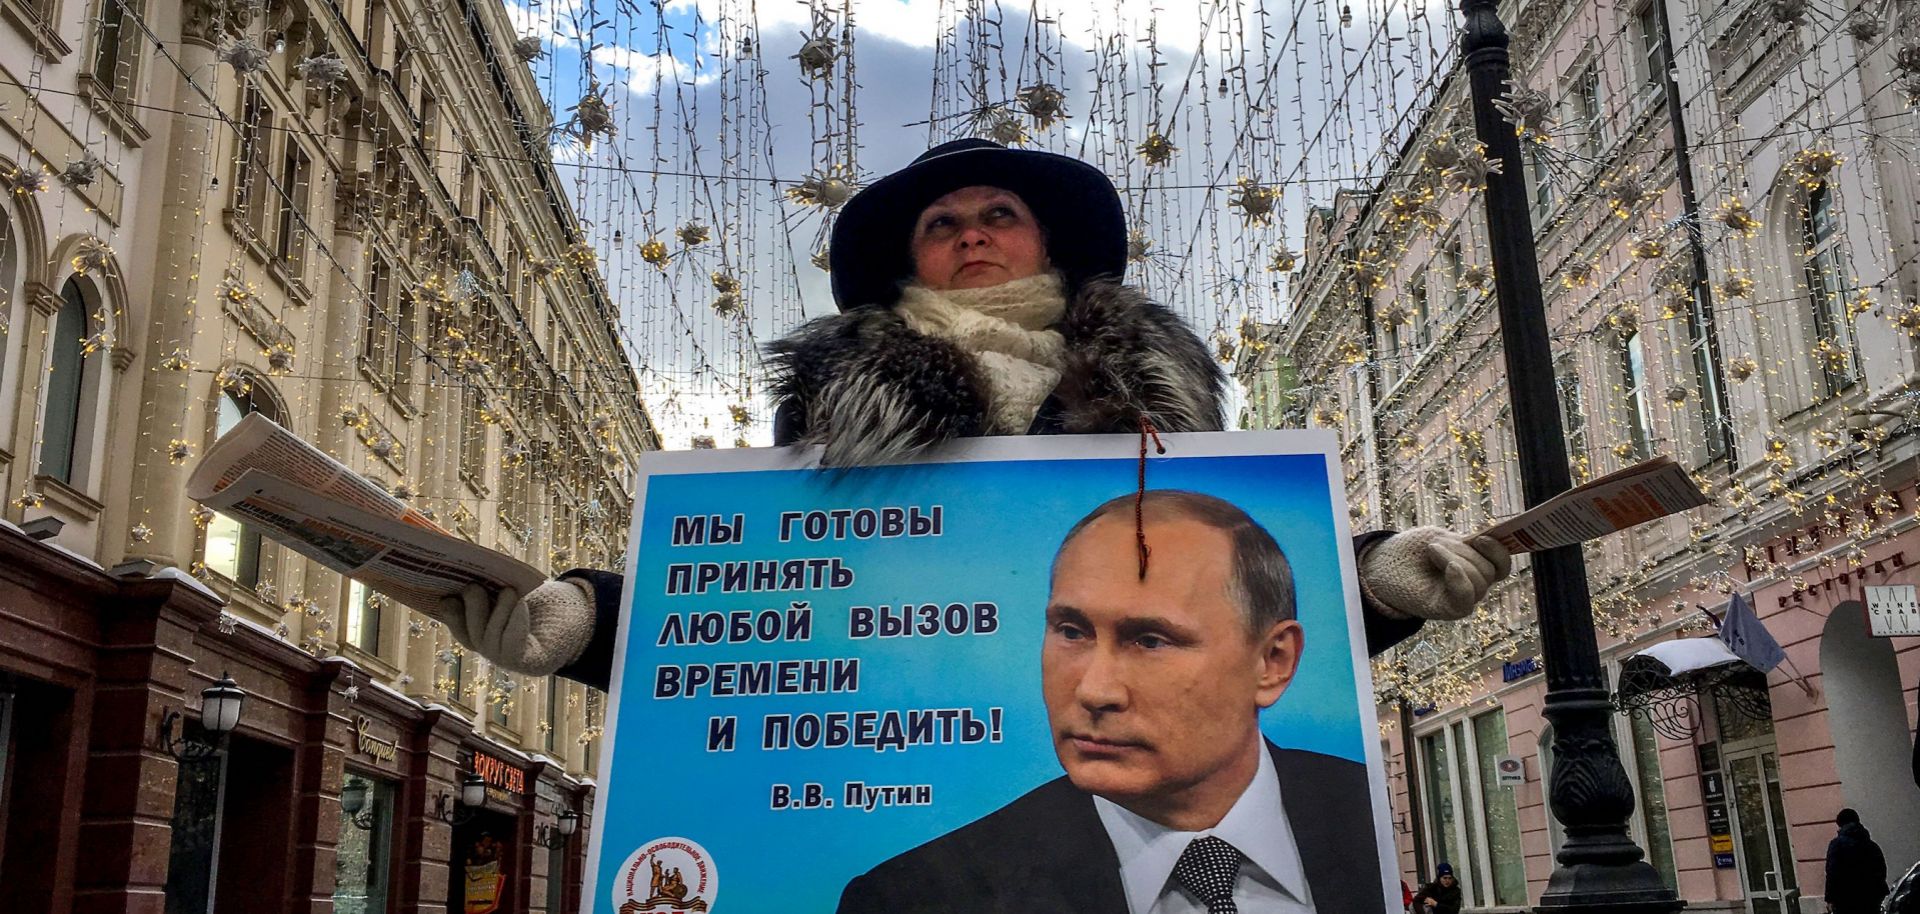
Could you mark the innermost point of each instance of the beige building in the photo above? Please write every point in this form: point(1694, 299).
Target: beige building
point(336, 214)
point(1803, 141)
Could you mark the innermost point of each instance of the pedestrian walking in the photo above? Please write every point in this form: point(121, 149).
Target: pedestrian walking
point(1441, 896)
point(1856, 869)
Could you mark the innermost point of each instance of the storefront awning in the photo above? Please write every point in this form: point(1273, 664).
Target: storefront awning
point(1664, 683)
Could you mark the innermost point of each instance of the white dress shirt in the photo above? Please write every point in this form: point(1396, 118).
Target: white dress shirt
point(1271, 880)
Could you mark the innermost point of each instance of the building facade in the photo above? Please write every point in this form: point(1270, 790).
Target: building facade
point(337, 214)
point(1783, 379)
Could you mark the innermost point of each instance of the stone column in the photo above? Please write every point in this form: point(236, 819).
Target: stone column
point(321, 771)
point(172, 409)
point(126, 814)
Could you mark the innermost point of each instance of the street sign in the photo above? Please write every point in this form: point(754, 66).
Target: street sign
point(1512, 772)
point(1893, 610)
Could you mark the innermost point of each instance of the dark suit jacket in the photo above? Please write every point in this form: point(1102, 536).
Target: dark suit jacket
point(1047, 853)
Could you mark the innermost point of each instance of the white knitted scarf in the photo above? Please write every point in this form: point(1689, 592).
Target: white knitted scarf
point(1005, 328)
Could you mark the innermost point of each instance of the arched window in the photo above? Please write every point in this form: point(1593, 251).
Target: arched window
point(233, 548)
point(66, 381)
point(9, 254)
point(1823, 270)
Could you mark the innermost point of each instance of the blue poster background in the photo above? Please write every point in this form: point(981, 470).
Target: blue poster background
point(1003, 522)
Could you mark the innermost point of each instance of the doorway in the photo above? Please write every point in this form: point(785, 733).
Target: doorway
point(1750, 760)
point(1760, 831)
point(480, 874)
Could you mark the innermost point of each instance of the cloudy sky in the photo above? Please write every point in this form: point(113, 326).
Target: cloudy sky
point(715, 121)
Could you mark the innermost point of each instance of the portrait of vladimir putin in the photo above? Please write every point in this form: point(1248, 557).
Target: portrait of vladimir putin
point(1154, 674)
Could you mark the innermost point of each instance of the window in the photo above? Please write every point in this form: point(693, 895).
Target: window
point(1392, 356)
point(362, 859)
point(1633, 386)
point(553, 712)
point(1504, 855)
point(113, 56)
point(1652, 62)
point(290, 232)
point(1422, 327)
point(1540, 172)
point(233, 548)
point(364, 609)
point(66, 382)
point(1583, 108)
point(1573, 414)
point(456, 680)
point(1650, 790)
point(513, 494)
point(250, 189)
point(556, 879)
point(386, 343)
point(373, 31)
point(1473, 822)
point(1822, 269)
point(1454, 260)
point(473, 438)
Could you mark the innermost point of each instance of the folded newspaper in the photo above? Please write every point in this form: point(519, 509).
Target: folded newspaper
point(265, 476)
point(1645, 491)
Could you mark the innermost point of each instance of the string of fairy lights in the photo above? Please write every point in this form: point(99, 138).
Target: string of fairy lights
point(1276, 159)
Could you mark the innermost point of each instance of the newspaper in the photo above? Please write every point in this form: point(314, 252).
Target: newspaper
point(1645, 491)
point(262, 475)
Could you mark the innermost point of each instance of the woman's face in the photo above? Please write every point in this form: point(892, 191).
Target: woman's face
point(977, 237)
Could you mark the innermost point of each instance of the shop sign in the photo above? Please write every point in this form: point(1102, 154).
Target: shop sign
point(371, 746)
point(498, 774)
point(1713, 793)
point(1512, 772)
point(1893, 611)
point(1844, 580)
point(1514, 669)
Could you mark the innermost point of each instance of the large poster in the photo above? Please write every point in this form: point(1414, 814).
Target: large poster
point(952, 685)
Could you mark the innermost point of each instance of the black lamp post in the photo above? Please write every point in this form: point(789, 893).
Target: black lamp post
point(1599, 868)
point(459, 810)
point(220, 706)
point(556, 836)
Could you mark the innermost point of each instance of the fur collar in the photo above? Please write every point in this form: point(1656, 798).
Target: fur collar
point(873, 390)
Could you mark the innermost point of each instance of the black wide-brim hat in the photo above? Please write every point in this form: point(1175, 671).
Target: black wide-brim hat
point(870, 252)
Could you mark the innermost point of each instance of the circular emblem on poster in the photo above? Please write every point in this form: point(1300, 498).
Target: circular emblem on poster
point(666, 876)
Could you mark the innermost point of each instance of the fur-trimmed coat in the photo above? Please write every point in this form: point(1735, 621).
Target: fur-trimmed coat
point(870, 389)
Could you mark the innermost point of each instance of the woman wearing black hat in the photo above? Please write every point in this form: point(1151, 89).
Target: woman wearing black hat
point(980, 294)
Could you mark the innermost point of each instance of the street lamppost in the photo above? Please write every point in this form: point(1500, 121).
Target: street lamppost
point(1599, 868)
point(556, 836)
point(220, 706)
point(458, 810)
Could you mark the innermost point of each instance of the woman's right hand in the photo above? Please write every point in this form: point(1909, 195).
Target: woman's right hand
point(536, 634)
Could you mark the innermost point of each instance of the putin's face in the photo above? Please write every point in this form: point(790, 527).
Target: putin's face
point(1154, 688)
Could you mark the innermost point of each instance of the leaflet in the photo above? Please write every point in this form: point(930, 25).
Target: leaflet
point(1646, 491)
point(261, 474)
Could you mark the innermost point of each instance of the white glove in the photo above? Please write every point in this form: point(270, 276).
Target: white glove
point(1432, 573)
point(537, 635)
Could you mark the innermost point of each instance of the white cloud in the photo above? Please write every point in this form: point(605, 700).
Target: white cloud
point(644, 71)
point(916, 23)
point(553, 20)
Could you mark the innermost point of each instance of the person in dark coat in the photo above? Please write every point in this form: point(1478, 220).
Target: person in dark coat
point(1441, 896)
point(1856, 869)
point(980, 294)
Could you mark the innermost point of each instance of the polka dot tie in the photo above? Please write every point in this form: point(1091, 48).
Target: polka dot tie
point(1208, 868)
